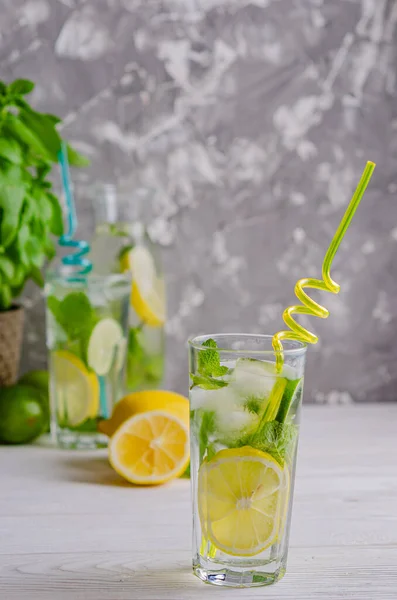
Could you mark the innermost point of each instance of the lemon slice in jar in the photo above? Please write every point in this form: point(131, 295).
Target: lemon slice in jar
point(148, 292)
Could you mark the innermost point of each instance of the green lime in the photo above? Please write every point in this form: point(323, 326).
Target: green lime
point(103, 344)
point(22, 416)
point(41, 381)
point(37, 379)
point(286, 400)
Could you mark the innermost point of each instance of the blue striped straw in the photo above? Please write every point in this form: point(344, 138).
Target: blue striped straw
point(66, 240)
point(84, 266)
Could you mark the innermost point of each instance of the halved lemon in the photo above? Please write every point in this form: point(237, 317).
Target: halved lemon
point(76, 389)
point(148, 293)
point(105, 339)
point(151, 447)
point(142, 402)
point(241, 497)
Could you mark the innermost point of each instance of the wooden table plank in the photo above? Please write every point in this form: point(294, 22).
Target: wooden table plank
point(71, 528)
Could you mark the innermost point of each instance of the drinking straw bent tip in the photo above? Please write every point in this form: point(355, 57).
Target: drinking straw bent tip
point(308, 306)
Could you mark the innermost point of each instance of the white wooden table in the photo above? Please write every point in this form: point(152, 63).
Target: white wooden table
point(70, 528)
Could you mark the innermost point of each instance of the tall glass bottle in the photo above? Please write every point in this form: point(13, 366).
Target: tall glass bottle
point(121, 243)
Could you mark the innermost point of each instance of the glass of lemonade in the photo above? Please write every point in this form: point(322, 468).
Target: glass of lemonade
point(244, 430)
point(121, 244)
point(87, 319)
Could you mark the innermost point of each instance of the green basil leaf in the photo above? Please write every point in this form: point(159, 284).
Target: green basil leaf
point(37, 276)
point(57, 218)
point(44, 206)
point(49, 249)
point(22, 240)
point(30, 209)
point(19, 274)
point(11, 173)
point(11, 150)
point(33, 247)
point(42, 172)
point(17, 290)
point(12, 194)
point(5, 296)
point(20, 86)
point(76, 159)
point(53, 118)
point(20, 102)
point(44, 129)
point(7, 267)
point(15, 128)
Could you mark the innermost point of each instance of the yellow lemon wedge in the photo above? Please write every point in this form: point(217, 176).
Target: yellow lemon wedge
point(150, 448)
point(142, 402)
point(150, 308)
point(76, 388)
point(148, 291)
point(241, 497)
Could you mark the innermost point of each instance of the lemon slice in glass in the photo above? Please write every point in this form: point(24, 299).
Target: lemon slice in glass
point(241, 496)
point(76, 389)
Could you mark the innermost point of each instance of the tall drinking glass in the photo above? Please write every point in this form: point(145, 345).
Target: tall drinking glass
point(87, 318)
point(244, 434)
point(121, 244)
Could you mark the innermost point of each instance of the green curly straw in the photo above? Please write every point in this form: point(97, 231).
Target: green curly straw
point(310, 307)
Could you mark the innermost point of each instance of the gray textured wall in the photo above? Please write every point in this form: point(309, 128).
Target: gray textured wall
point(255, 119)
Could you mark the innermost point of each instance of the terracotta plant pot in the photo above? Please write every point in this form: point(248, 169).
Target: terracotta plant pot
point(11, 332)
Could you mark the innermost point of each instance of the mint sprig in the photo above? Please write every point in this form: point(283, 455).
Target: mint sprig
point(209, 368)
point(277, 439)
point(209, 360)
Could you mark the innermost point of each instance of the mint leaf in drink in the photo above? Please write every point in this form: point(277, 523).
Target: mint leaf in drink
point(277, 439)
point(209, 362)
point(209, 367)
point(77, 318)
point(207, 428)
point(78, 314)
point(254, 404)
point(211, 451)
point(207, 383)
